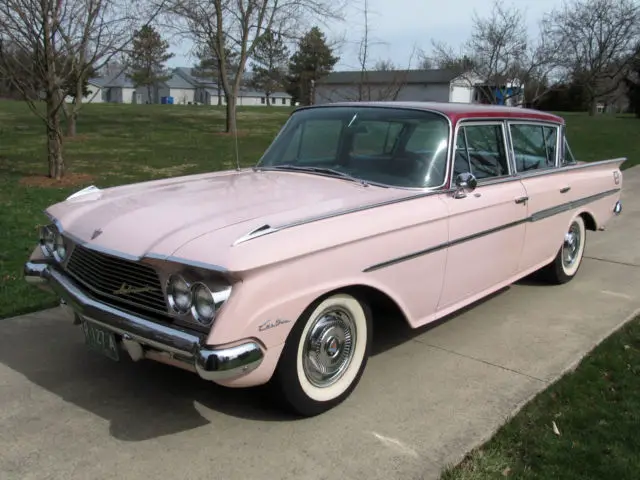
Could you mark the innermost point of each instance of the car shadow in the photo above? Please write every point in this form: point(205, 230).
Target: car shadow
point(140, 400)
point(145, 400)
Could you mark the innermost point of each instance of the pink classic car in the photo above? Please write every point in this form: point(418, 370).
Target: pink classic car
point(273, 273)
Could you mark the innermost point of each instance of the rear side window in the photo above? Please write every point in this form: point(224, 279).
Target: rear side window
point(480, 150)
point(534, 146)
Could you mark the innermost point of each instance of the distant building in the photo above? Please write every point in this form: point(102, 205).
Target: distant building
point(183, 86)
point(434, 85)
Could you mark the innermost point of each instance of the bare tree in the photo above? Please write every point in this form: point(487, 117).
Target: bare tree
point(220, 26)
point(596, 40)
point(33, 58)
point(93, 33)
point(499, 58)
point(47, 45)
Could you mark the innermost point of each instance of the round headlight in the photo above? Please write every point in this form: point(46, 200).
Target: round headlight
point(47, 240)
point(60, 247)
point(204, 305)
point(179, 294)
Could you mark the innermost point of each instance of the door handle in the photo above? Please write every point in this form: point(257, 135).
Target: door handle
point(521, 200)
point(565, 189)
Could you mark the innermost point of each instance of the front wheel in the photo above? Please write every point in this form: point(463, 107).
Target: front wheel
point(569, 258)
point(325, 354)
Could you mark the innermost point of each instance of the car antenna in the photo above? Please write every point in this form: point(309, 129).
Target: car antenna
point(235, 137)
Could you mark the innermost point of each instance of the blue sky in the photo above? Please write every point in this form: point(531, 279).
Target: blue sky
point(395, 26)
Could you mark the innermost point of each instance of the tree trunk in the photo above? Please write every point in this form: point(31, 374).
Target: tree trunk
point(267, 94)
point(71, 123)
point(54, 141)
point(149, 94)
point(231, 114)
point(593, 107)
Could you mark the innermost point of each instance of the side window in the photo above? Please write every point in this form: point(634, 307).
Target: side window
point(534, 146)
point(480, 150)
point(314, 140)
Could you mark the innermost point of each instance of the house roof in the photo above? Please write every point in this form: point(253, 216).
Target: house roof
point(178, 81)
point(121, 79)
point(390, 76)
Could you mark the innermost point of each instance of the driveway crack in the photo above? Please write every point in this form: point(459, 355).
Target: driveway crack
point(626, 264)
point(469, 357)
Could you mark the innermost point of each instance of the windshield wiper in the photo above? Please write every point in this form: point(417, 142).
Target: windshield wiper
point(325, 170)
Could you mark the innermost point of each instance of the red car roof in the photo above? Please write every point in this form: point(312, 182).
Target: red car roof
point(459, 111)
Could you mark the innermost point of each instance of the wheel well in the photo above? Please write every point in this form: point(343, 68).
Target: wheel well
point(589, 221)
point(381, 304)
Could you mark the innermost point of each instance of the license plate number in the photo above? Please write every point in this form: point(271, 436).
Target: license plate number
point(101, 340)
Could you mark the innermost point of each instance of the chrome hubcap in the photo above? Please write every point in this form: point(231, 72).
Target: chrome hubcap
point(571, 245)
point(329, 347)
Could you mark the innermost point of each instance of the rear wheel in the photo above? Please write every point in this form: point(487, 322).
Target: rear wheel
point(325, 354)
point(569, 258)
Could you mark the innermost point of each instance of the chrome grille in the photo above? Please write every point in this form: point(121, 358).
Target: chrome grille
point(109, 277)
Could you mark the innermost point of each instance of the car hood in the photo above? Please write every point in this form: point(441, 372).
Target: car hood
point(159, 216)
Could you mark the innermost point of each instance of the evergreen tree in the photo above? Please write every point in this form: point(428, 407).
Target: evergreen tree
point(312, 61)
point(147, 58)
point(269, 64)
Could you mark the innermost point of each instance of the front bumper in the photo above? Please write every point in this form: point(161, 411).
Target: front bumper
point(143, 338)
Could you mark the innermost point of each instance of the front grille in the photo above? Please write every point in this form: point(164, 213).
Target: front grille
point(109, 278)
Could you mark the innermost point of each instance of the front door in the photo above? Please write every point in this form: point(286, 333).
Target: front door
point(487, 226)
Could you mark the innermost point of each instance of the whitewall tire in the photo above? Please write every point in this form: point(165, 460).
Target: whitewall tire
point(325, 354)
point(569, 258)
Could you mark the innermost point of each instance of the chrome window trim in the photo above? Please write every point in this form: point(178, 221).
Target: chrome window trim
point(537, 123)
point(484, 121)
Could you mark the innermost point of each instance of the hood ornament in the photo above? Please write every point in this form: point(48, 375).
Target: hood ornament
point(96, 233)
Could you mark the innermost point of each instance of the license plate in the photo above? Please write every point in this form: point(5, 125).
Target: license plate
point(101, 340)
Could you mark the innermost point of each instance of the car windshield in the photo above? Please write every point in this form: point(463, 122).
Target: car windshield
point(381, 145)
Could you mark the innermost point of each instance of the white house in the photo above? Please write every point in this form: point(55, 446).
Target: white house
point(95, 92)
point(435, 85)
point(207, 91)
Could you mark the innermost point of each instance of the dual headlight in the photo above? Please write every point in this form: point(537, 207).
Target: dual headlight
point(196, 298)
point(52, 243)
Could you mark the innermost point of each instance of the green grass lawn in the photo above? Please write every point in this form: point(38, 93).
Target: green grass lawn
point(596, 410)
point(116, 144)
point(119, 144)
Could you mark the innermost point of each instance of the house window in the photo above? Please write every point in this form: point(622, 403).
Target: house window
point(262, 100)
point(534, 146)
point(480, 150)
point(284, 101)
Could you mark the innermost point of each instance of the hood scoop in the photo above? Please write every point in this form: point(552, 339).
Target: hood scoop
point(256, 232)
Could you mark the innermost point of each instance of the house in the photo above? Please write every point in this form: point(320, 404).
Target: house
point(120, 89)
point(95, 92)
point(435, 85)
point(207, 91)
point(183, 85)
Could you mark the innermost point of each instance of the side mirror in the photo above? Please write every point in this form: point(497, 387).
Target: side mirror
point(465, 183)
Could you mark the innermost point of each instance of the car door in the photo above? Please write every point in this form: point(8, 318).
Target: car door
point(535, 152)
point(486, 227)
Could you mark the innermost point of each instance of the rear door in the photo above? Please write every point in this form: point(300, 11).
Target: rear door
point(536, 158)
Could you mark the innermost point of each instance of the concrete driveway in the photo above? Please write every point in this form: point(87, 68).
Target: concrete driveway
point(427, 397)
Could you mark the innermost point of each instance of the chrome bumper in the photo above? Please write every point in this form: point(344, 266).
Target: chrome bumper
point(166, 344)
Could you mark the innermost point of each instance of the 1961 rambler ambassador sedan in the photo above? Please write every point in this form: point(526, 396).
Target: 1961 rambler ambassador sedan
point(272, 273)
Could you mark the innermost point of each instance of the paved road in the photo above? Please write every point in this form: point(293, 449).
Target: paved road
point(427, 397)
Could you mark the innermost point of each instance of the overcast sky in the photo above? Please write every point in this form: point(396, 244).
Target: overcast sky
point(395, 26)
